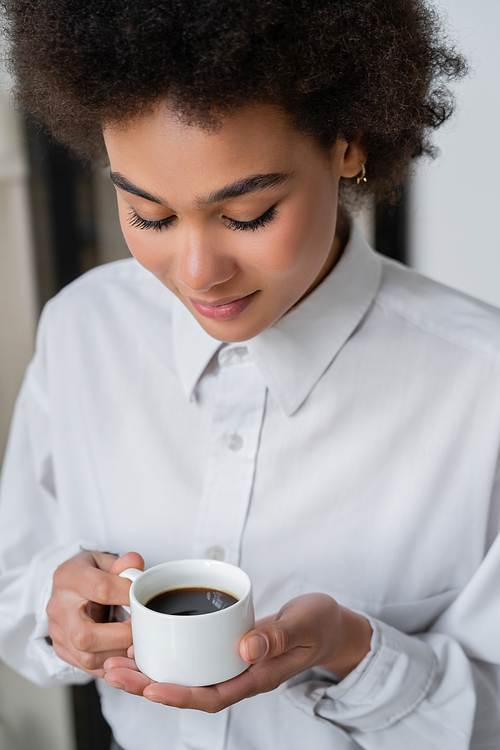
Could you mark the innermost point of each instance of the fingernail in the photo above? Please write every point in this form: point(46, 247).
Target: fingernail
point(256, 647)
point(153, 698)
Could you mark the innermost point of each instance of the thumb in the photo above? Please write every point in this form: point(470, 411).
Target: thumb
point(267, 642)
point(129, 560)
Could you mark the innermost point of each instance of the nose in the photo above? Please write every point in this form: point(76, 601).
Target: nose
point(202, 263)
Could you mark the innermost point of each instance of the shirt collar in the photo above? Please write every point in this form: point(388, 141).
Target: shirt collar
point(294, 353)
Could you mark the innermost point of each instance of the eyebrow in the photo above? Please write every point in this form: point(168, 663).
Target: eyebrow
point(120, 181)
point(247, 185)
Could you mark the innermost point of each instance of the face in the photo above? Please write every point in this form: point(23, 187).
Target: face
point(238, 222)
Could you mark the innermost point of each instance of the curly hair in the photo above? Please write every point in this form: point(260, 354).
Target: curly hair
point(377, 70)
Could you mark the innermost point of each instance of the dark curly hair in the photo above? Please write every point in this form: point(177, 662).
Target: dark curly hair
point(370, 69)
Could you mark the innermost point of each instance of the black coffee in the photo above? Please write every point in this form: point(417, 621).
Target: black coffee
point(190, 601)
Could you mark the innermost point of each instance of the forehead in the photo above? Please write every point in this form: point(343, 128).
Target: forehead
point(159, 150)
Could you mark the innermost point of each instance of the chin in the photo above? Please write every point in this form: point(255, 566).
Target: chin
point(231, 331)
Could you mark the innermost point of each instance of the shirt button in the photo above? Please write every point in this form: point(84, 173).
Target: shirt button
point(216, 552)
point(240, 350)
point(234, 442)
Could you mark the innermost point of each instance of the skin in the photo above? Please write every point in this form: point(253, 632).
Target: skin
point(202, 188)
point(83, 589)
point(200, 255)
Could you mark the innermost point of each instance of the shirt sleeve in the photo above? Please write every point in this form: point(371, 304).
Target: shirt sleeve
point(31, 540)
point(439, 689)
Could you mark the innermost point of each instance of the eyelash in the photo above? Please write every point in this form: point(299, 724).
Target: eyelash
point(136, 221)
point(255, 224)
point(243, 226)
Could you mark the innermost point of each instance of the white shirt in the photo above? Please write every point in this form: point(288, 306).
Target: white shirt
point(350, 449)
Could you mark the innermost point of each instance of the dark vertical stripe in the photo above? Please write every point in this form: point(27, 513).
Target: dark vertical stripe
point(91, 729)
point(391, 228)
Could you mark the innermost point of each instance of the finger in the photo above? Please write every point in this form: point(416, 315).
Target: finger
point(91, 663)
point(211, 699)
point(120, 662)
point(266, 643)
point(178, 696)
point(94, 637)
point(83, 635)
point(129, 560)
point(252, 650)
point(292, 627)
point(265, 621)
point(100, 586)
point(102, 560)
point(88, 576)
point(259, 678)
point(130, 680)
point(67, 576)
point(66, 656)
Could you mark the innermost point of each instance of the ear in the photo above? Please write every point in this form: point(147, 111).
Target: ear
point(352, 157)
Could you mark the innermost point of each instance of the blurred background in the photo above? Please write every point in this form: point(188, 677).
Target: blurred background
point(58, 219)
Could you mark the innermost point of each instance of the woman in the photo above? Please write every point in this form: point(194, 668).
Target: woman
point(283, 399)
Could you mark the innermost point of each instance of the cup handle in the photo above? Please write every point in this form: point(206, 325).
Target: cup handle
point(119, 610)
point(130, 573)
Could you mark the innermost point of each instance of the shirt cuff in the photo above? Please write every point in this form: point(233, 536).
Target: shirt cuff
point(40, 647)
point(390, 682)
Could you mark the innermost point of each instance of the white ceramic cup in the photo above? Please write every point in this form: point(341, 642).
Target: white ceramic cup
point(191, 650)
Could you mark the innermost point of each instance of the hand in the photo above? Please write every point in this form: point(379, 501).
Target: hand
point(311, 630)
point(84, 588)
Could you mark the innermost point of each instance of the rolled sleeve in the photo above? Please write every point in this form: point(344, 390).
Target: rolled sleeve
point(32, 545)
point(24, 625)
point(409, 691)
point(393, 678)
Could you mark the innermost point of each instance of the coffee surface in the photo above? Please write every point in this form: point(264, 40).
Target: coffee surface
point(190, 601)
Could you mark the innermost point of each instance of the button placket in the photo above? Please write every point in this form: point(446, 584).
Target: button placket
point(236, 423)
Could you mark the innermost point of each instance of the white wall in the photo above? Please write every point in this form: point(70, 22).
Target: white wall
point(455, 201)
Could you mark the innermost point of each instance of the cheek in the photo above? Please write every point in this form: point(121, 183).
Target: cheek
point(148, 247)
point(301, 241)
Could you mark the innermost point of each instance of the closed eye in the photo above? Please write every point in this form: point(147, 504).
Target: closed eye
point(254, 224)
point(137, 221)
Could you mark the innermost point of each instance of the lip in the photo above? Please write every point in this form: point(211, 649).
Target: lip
point(223, 309)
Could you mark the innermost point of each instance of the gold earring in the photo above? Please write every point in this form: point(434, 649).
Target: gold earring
point(362, 175)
